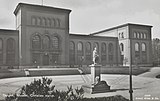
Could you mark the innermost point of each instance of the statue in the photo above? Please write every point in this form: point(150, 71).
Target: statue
point(95, 56)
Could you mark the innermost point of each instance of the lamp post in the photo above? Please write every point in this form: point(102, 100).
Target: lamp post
point(130, 73)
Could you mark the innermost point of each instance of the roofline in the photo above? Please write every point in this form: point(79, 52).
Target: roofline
point(91, 36)
point(49, 7)
point(9, 30)
point(127, 24)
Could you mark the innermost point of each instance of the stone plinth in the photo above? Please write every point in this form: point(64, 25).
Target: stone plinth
point(96, 85)
point(95, 73)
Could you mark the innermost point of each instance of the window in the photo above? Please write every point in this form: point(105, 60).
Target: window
point(103, 47)
point(33, 20)
point(53, 23)
point(44, 22)
point(138, 35)
point(80, 46)
point(121, 35)
point(145, 36)
point(135, 35)
point(72, 46)
point(88, 46)
point(1, 44)
point(11, 44)
point(103, 52)
point(49, 22)
point(97, 46)
point(46, 42)
point(80, 53)
point(122, 47)
point(55, 43)
point(88, 53)
point(72, 53)
point(57, 22)
point(143, 47)
point(142, 35)
point(110, 48)
point(39, 21)
point(36, 42)
point(110, 52)
point(136, 46)
point(10, 51)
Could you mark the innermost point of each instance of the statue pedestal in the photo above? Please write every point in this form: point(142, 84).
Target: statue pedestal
point(96, 85)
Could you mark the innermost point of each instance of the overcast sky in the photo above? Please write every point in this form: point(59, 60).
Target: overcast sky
point(89, 16)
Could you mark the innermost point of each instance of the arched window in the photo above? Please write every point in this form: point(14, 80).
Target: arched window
point(10, 51)
point(33, 20)
point(88, 53)
point(46, 42)
point(145, 36)
point(122, 47)
point(57, 22)
point(53, 23)
point(1, 44)
point(110, 52)
point(36, 42)
point(80, 53)
point(10, 44)
point(135, 35)
point(143, 47)
point(144, 54)
point(55, 43)
point(80, 46)
point(44, 21)
point(103, 48)
point(122, 35)
point(39, 21)
point(138, 35)
point(72, 53)
point(49, 22)
point(72, 46)
point(136, 46)
point(97, 46)
point(142, 35)
point(103, 53)
point(88, 46)
point(110, 48)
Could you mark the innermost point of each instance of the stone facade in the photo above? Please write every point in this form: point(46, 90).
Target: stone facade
point(42, 38)
point(134, 41)
point(9, 54)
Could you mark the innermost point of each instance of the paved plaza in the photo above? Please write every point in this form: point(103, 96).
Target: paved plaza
point(144, 87)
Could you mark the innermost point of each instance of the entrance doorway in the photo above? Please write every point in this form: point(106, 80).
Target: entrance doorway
point(46, 59)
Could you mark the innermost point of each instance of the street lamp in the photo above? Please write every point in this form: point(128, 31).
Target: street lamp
point(130, 73)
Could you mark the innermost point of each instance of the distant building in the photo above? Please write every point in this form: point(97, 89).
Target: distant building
point(156, 51)
point(42, 38)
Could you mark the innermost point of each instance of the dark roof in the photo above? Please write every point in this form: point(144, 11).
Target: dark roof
point(40, 6)
point(7, 30)
point(80, 36)
point(127, 24)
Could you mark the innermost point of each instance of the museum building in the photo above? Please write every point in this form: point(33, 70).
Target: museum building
point(42, 38)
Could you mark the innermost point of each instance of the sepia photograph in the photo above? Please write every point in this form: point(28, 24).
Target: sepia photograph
point(79, 50)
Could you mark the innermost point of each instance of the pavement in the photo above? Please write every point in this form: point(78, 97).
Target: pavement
point(145, 86)
point(152, 73)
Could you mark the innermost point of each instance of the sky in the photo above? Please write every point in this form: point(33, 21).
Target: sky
point(90, 16)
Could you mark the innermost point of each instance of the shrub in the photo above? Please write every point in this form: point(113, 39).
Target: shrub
point(42, 90)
